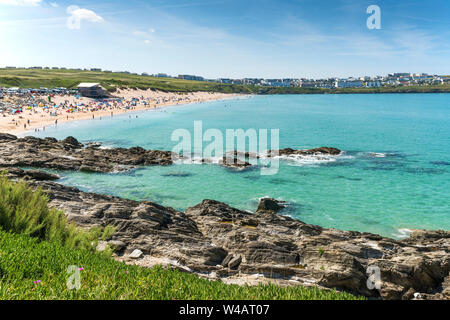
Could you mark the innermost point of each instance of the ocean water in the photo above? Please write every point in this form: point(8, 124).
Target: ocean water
point(394, 174)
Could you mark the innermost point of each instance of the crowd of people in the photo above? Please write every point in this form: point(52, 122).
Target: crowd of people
point(35, 110)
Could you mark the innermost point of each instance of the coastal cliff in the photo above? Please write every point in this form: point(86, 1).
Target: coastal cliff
point(219, 242)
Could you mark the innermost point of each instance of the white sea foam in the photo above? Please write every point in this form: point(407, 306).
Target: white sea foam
point(377, 154)
point(292, 160)
point(198, 160)
point(105, 147)
point(313, 159)
point(402, 233)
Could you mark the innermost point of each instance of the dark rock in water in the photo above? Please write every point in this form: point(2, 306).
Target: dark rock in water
point(177, 174)
point(280, 181)
point(235, 163)
point(323, 150)
point(270, 205)
point(69, 154)
point(348, 178)
point(72, 142)
point(425, 170)
point(315, 151)
point(246, 155)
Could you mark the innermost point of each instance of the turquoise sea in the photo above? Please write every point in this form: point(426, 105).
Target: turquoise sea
point(393, 176)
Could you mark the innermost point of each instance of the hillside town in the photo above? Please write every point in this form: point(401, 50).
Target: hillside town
point(394, 79)
point(390, 80)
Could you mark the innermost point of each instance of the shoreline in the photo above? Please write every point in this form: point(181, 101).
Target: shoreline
point(39, 119)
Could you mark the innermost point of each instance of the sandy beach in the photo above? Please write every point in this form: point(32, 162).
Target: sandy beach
point(37, 118)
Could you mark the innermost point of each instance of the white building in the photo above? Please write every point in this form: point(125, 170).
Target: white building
point(373, 84)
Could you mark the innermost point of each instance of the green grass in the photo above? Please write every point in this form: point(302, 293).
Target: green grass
point(30, 78)
point(24, 260)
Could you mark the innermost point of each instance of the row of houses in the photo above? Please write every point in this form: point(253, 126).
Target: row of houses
point(395, 79)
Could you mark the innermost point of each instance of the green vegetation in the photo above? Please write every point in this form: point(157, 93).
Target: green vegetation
point(30, 269)
point(35, 78)
point(37, 247)
point(445, 88)
point(25, 211)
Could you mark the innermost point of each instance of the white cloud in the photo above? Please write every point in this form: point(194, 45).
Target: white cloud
point(54, 4)
point(146, 34)
point(78, 14)
point(32, 3)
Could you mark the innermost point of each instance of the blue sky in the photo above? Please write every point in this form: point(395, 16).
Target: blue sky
point(232, 38)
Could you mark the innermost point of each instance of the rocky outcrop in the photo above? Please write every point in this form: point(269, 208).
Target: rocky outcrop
point(69, 154)
point(215, 240)
point(270, 205)
point(285, 248)
point(234, 162)
point(7, 137)
point(315, 151)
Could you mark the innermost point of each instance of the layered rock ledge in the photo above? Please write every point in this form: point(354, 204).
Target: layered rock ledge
point(217, 241)
point(69, 154)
